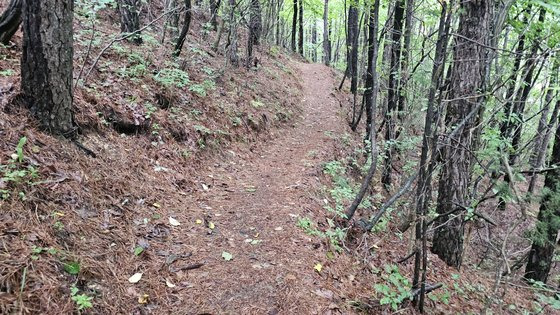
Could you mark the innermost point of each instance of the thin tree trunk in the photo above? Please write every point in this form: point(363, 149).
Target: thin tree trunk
point(371, 105)
point(423, 192)
point(326, 40)
point(46, 63)
point(184, 30)
point(294, 26)
point(300, 38)
point(392, 91)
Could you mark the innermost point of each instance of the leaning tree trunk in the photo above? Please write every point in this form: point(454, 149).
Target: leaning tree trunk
point(544, 239)
point(130, 18)
point(467, 81)
point(326, 40)
point(46, 63)
point(10, 21)
point(185, 29)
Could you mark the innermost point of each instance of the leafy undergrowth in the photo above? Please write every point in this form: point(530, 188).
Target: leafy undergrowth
point(75, 230)
point(365, 267)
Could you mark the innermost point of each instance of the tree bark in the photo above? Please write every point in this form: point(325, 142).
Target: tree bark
point(467, 81)
point(300, 38)
point(10, 21)
point(130, 18)
point(294, 26)
point(231, 46)
point(46, 63)
point(185, 29)
point(392, 89)
point(255, 27)
point(326, 40)
point(214, 7)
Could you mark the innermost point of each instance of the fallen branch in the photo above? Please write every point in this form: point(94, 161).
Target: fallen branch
point(427, 289)
point(390, 202)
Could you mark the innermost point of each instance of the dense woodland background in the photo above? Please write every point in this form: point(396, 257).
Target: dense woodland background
point(436, 192)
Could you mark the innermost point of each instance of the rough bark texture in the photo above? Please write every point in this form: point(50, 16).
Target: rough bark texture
point(467, 80)
point(352, 43)
point(255, 29)
point(326, 40)
point(10, 21)
point(185, 29)
point(130, 18)
point(46, 63)
point(544, 240)
point(231, 46)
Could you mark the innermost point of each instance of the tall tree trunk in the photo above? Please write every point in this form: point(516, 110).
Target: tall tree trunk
point(352, 43)
point(10, 21)
point(423, 192)
point(185, 29)
point(214, 7)
point(255, 26)
point(401, 92)
point(231, 47)
point(467, 81)
point(544, 239)
point(294, 26)
point(314, 41)
point(326, 40)
point(279, 27)
point(130, 18)
point(370, 96)
point(300, 38)
point(46, 63)
point(392, 89)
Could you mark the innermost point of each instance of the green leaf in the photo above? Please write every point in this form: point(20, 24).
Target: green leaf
point(72, 268)
point(227, 256)
point(138, 250)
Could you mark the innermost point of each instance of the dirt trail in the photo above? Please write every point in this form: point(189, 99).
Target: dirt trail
point(260, 199)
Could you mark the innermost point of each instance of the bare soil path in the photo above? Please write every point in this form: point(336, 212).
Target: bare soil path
point(259, 199)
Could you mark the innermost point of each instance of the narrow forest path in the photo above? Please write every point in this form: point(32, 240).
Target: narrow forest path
point(261, 199)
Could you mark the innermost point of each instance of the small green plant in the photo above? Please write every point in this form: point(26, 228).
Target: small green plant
point(83, 301)
point(172, 77)
point(14, 174)
point(149, 110)
point(201, 89)
point(395, 289)
point(307, 225)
